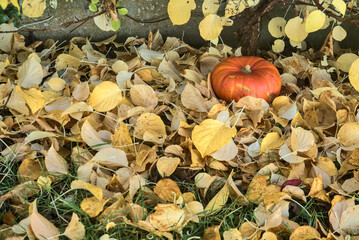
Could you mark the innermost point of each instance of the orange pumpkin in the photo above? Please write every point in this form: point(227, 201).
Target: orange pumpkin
point(237, 77)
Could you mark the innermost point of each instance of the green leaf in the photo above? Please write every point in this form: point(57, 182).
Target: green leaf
point(93, 7)
point(122, 11)
point(118, 4)
point(94, 1)
point(116, 25)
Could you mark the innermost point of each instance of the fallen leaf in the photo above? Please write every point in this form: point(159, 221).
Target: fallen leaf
point(167, 217)
point(105, 96)
point(211, 135)
point(75, 230)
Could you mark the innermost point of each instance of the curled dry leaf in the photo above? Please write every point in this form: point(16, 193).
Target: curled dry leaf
point(110, 157)
point(96, 191)
point(41, 227)
point(192, 99)
point(55, 163)
point(91, 136)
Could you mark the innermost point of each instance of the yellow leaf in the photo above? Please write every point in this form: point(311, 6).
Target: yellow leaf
point(304, 232)
point(234, 7)
point(348, 134)
point(143, 95)
point(340, 5)
point(211, 233)
point(110, 225)
point(77, 108)
point(210, 27)
point(270, 141)
point(295, 29)
point(122, 139)
point(30, 73)
point(350, 221)
point(44, 182)
point(36, 135)
point(167, 165)
point(314, 21)
point(218, 201)
point(210, 7)
point(92, 206)
point(4, 3)
point(276, 27)
point(179, 11)
point(57, 84)
point(301, 140)
point(167, 217)
point(339, 33)
point(354, 74)
point(33, 8)
point(346, 60)
point(96, 191)
point(232, 234)
point(211, 135)
point(33, 97)
point(75, 230)
point(151, 128)
point(167, 189)
point(278, 46)
point(105, 96)
point(4, 64)
point(64, 61)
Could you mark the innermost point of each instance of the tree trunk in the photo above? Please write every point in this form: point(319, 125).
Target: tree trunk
point(249, 34)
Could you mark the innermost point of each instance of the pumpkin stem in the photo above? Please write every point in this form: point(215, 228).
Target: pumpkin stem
point(247, 69)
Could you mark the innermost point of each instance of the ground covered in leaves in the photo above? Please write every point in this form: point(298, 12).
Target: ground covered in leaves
point(127, 141)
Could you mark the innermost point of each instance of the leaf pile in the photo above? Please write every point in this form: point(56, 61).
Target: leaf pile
point(129, 134)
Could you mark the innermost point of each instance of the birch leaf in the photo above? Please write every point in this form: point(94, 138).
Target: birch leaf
point(105, 96)
point(179, 11)
point(211, 135)
point(75, 230)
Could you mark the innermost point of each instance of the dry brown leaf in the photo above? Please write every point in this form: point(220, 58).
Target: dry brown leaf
point(192, 99)
point(55, 163)
point(41, 227)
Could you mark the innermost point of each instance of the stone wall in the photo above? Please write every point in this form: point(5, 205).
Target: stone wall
point(153, 10)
